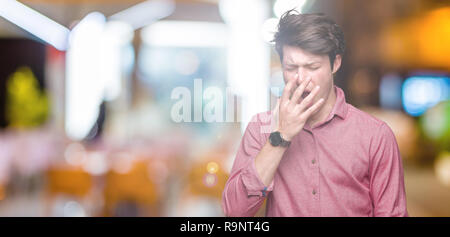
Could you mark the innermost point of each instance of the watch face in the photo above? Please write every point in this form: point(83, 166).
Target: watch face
point(275, 138)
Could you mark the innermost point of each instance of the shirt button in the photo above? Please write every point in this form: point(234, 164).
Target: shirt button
point(314, 192)
point(313, 161)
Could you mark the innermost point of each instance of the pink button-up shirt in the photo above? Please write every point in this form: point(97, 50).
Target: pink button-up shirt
point(347, 165)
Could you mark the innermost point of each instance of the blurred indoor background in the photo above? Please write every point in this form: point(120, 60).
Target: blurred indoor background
point(91, 93)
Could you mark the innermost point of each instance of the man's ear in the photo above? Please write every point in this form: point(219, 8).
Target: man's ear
point(337, 63)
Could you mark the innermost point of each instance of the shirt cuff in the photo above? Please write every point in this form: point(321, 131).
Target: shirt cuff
point(253, 183)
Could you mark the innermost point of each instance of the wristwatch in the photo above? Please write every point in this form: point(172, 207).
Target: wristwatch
point(276, 139)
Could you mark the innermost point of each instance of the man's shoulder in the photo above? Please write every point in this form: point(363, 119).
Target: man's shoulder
point(369, 128)
point(363, 117)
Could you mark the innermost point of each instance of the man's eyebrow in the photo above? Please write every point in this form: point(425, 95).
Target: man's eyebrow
point(311, 63)
point(306, 64)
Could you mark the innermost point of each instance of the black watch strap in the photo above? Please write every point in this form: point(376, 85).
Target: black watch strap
point(276, 139)
point(284, 143)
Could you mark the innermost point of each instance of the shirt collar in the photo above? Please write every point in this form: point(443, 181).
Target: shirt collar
point(340, 107)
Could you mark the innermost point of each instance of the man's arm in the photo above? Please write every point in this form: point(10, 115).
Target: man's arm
point(387, 187)
point(245, 191)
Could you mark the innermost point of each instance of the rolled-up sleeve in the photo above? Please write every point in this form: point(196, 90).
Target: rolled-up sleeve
point(387, 188)
point(244, 191)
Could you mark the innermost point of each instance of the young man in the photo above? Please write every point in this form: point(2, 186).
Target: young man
point(324, 157)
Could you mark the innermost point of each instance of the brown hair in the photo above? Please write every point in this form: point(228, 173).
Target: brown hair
point(314, 33)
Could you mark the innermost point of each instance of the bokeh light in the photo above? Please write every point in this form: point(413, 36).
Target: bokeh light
point(422, 92)
point(436, 123)
point(442, 168)
point(210, 180)
point(212, 167)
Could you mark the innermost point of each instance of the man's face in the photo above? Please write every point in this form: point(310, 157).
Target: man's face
point(297, 61)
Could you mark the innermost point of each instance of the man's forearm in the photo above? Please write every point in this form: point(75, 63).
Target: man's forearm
point(267, 161)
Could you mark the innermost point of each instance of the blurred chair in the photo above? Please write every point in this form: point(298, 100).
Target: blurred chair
point(68, 181)
point(131, 190)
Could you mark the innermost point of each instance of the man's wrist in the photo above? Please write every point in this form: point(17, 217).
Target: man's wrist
point(285, 136)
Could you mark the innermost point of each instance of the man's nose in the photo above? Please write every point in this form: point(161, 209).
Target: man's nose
point(302, 75)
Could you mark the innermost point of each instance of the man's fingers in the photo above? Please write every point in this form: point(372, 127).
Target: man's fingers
point(305, 103)
point(295, 82)
point(287, 91)
point(313, 108)
point(299, 91)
